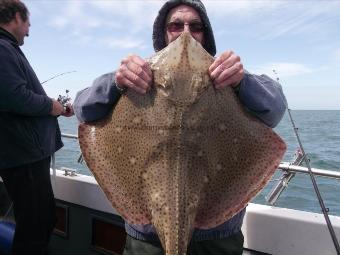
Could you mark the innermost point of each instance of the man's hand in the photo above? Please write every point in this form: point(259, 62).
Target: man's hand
point(134, 73)
point(58, 109)
point(226, 70)
point(68, 111)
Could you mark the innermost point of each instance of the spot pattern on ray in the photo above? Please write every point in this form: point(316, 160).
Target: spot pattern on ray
point(184, 155)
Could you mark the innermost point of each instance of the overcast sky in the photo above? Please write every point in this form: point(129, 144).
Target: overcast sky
point(299, 39)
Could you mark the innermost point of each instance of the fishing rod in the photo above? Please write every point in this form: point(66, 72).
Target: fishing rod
point(311, 174)
point(64, 100)
point(55, 76)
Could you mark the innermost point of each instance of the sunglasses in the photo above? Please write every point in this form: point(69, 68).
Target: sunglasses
point(178, 26)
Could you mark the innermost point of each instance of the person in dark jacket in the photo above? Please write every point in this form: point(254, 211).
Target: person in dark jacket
point(29, 135)
point(261, 95)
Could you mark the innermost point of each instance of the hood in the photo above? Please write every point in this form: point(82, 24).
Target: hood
point(158, 35)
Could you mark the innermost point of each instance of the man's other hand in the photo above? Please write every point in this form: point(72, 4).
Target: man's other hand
point(226, 70)
point(134, 73)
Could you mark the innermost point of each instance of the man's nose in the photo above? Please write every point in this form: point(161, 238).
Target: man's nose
point(186, 28)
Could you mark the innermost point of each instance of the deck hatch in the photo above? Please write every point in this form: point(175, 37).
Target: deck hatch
point(61, 227)
point(107, 236)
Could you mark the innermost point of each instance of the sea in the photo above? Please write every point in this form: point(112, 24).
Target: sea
point(319, 131)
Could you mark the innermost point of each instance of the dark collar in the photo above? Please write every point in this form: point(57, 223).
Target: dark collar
point(4, 34)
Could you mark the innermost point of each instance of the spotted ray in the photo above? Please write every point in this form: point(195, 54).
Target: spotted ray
point(184, 155)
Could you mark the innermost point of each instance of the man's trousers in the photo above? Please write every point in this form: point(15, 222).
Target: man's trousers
point(232, 245)
point(29, 187)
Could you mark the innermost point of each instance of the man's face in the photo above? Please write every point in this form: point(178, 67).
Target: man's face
point(21, 28)
point(183, 18)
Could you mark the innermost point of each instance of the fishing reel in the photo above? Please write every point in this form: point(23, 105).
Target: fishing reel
point(65, 101)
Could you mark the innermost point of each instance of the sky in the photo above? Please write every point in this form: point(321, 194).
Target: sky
point(299, 39)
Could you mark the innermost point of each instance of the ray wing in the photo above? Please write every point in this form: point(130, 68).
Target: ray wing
point(184, 155)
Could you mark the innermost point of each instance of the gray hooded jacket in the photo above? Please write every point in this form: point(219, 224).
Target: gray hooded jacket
point(261, 95)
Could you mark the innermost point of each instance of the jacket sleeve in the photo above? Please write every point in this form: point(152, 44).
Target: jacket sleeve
point(15, 96)
point(263, 97)
point(95, 102)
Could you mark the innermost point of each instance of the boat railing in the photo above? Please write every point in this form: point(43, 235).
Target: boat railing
point(288, 172)
point(69, 136)
point(68, 171)
point(286, 166)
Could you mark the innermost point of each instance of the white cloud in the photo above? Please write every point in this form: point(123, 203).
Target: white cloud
point(92, 14)
point(134, 16)
point(239, 9)
point(283, 69)
point(125, 43)
point(74, 14)
point(59, 22)
point(337, 54)
point(90, 21)
point(274, 19)
point(127, 8)
point(316, 19)
point(267, 20)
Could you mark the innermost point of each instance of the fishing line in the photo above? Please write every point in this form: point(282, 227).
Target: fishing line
point(57, 76)
point(311, 174)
